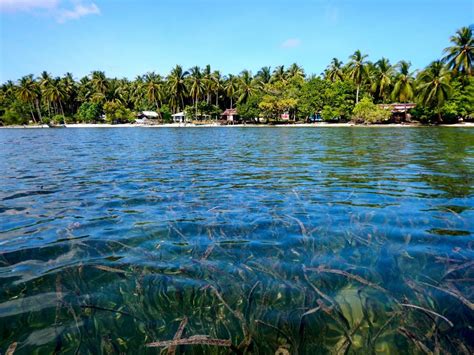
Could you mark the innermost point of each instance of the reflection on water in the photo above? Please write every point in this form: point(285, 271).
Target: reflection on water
point(299, 240)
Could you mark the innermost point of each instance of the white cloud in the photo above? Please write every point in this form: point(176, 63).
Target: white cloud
point(27, 5)
point(79, 10)
point(61, 10)
point(291, 43)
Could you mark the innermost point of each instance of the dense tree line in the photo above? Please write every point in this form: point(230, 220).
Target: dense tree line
point(443, 91)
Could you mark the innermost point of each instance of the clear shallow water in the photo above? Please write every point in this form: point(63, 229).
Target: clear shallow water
point(306, 240)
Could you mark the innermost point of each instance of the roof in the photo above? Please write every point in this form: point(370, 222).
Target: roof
point(178, 114)
point(149, 113)
point(398, 107)
point(229, 112)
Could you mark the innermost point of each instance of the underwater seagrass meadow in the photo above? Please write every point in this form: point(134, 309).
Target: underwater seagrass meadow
point(348, 240)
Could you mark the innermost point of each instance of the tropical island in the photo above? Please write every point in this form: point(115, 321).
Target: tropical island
point(360, 91)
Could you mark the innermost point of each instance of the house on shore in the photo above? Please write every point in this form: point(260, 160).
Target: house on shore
point(230, 115)
point(147, 117)
point(399, 110)
point(179, 117)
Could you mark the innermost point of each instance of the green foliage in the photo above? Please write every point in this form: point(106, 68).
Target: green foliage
point(330, 113)
point(313, 96)
point(89, 112)
point(15, 113)
point(166, 114)
point(58, 119)
point(368, 112)
point(116, 112)
point(249, 110)
point(443, 91)
point(340, 97)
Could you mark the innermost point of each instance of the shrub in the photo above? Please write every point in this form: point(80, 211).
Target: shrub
point(166, 114)
point(59, 119)
point(89, 112)
point(368, 112)
point(116, 112)
point(329, 113)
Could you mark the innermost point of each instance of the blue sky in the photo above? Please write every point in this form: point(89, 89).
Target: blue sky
point(126, 38)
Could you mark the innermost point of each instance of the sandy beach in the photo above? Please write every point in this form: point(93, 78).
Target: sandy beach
point(190, 125)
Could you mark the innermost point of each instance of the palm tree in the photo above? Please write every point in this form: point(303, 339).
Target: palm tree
point(207, 82)
point(69, 86)
point(264, 75)
point(99, 82)
point(177, 87)
point(84, 90)
point(45, 82)
point(56, 94)
point(357, 70)
point(216, 80)
point(29, 92)
point(231, 87)
point(247, 86)
point(403, 90)
point(197, 85)
point(295, 71)
point(153, 89)
point(434, 86)
point(334, 71)
point(460, 55)
point(123, 92)
point(279, 74)
point(383, 73)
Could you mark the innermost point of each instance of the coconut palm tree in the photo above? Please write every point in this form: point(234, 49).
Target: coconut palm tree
point(357, 70)
point(295, 71)
point(153, 89)
point(460, 56)
point(434, 86)
point(403, 89)
point(279, 74)
point(207, 82)
point(231, 87)
point(28, 91)
point(196, 85)
point(383, 73)
point(404, 84)
point(56, 94)
point(247, 86)
point(216, 80)
point(334, 71)
point(177, 87)
point(84, 90)
point(70, 89)
point(99, 82)
point(264, 75)
point(123, 92)
point(44, 82)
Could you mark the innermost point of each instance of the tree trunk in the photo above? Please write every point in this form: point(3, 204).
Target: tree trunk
point(39, 111)
point(357, 94)
point(158, 111)
point(61, 106)
point(32, 114)
point(196, 107)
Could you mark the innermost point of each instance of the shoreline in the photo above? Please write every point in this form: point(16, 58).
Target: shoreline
point(190, 125)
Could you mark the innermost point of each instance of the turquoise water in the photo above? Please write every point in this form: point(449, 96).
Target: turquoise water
point(301, 240)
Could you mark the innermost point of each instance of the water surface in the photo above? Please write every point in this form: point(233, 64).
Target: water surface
point(299, 239)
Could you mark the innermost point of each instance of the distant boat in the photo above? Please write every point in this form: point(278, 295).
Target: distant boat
point(56, 126)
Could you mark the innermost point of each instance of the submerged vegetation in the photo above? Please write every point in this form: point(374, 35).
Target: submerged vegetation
point(258, 243)
point(443, 92)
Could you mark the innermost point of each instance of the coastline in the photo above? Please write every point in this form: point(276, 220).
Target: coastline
point(190, 125)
